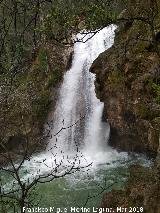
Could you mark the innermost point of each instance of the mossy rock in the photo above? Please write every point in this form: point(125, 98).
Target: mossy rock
point(116, 79)
point(54, 78)
point(156, 89)
point(41, 105)
point(144, 112)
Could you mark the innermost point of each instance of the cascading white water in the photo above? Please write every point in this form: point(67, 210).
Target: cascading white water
point(79, 112)
point(77, 98)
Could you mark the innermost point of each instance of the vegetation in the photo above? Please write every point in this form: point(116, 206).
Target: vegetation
point(27, 78)
point(28, 29)
point(156, 88)
point(116, 79)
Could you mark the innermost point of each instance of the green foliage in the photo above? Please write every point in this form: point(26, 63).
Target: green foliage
point(99, 14)
point(26, 24)
point(156, 88)
point(15, 33)
point(67, 17)
point(8, 205)
point(42, 58)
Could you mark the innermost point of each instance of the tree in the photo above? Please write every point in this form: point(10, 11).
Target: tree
point(18, 191)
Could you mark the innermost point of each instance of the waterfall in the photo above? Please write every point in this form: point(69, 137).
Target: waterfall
point(77, 105)
point(77, 122)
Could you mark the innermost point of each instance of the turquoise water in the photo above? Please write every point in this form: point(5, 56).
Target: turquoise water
point(84, 188)
point(74, 190)
point(64, 193)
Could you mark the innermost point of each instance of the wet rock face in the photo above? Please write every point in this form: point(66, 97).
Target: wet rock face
point(125, 75)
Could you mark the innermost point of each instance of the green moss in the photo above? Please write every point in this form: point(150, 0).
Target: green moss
point(41, 105)
point(41, 62)
point(157, 120)
point(54, 78)
point(144, 112)
point(35, 87)
point(156, 88)
point(116, 79)
point(141, 46)
point(42, 58)
point(39, 82)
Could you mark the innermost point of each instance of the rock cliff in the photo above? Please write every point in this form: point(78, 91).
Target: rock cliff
point(128, 82)
point(25, 105)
